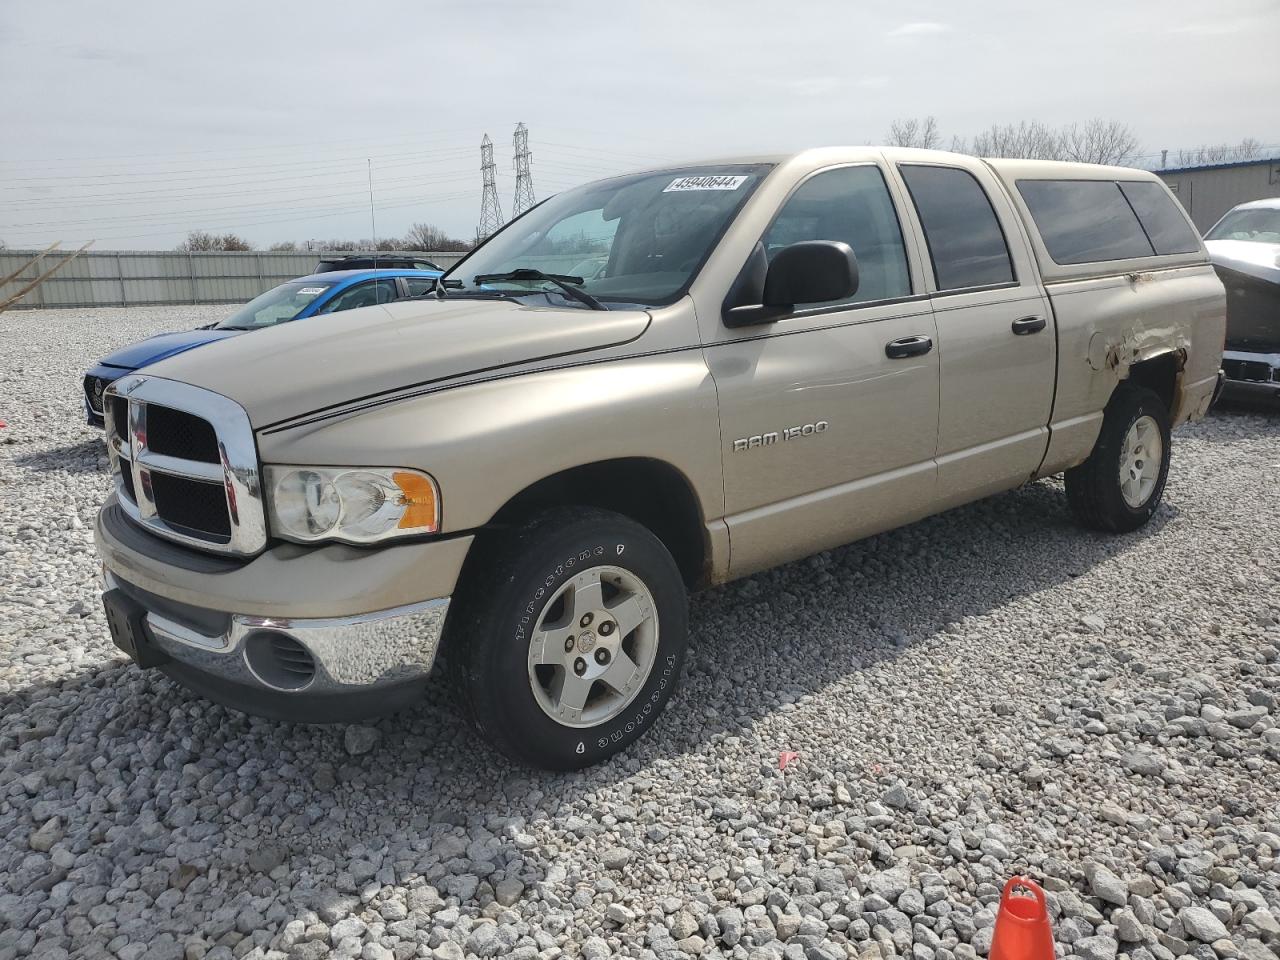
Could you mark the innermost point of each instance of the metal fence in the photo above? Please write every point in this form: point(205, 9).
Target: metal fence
point(129, 278)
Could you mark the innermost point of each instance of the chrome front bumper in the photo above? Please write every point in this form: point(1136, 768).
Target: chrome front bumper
point(1251, 374)
point(262, 664)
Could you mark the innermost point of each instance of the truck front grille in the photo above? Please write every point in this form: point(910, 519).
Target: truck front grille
point(126, 485)
point(176, 433)
point(1254, 371)
point(119, 414)
point(185, 463)
point(192, 505)
point(93, 388)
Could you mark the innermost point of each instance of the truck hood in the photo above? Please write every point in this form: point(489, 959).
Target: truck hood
point(1250, 272)
point(326, 363)
point(1261, 260)
point(163, 345)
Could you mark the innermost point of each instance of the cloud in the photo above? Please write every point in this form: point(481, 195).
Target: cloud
point(826, 86)
point(814, 86)
point(1213, 28)
point(921, 28)
point(97, 54)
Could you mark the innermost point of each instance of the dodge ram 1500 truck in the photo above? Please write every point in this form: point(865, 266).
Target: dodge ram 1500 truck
point(798, 351)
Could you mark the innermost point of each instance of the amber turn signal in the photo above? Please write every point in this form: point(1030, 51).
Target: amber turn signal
point(418, 497)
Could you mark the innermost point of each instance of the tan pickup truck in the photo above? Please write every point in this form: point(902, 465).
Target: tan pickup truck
point(644, 386)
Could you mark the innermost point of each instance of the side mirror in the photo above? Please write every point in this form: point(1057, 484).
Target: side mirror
point(811, 271)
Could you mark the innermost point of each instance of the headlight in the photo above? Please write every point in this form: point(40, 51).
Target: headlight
point(355, 504)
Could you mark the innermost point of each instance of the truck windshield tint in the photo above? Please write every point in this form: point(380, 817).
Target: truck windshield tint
point(277, 305)
point(638, 239)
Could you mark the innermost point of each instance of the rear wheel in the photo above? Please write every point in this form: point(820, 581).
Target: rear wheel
point(1121, 484)
point(571, 636)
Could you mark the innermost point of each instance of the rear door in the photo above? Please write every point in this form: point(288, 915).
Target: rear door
point(995, 331)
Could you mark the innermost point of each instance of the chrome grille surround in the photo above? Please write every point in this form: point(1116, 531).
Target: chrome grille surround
point(237, 473)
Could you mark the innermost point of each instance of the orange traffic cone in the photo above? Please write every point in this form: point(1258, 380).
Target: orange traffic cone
point(1022, 925)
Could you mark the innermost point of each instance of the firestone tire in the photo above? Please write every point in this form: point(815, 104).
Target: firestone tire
point(570, 638)
point(1121, 484)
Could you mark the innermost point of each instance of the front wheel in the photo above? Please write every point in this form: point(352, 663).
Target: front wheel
point(571, 636)
point(1119, 487)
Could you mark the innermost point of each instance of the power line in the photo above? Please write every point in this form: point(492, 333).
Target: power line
point(178, 226)
point(646, 158)
point(524, 176)
point(490, 209)
point(280, 202)
point(233, 172)
point(215, 191)
point(286, 148)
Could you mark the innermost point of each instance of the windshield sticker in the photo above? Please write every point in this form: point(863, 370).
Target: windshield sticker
point(312, 291)
point(704, 183)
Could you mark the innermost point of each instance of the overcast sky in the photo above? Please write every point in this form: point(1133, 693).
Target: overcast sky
point(135, 122)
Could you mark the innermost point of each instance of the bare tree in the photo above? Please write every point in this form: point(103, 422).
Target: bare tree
point(427, 237)
point(1098, 141)
point(283, 246)
point(199, 241)
point(914, 133)
point(1028, 139)
point(1246, 149)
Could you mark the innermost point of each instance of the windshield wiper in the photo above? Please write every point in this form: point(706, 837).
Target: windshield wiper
point(561, 280)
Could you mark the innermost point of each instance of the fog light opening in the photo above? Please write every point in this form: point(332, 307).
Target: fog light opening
point(279, 661)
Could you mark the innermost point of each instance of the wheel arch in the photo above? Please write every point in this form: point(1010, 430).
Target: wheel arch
point(652, 492)
point(1159, 373)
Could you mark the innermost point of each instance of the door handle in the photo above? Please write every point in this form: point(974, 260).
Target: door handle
point(916, 346)
point(1028, 325)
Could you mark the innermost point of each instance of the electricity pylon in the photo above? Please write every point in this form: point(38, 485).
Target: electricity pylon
point(524, 176)
point(490, 208)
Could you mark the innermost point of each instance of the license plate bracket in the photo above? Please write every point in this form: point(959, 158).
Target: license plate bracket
point(127, 621)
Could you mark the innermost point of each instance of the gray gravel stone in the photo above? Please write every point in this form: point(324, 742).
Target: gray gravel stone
point(359, 740)
point(1143, 763)
point(1096, 948)
point(615, 858)
point(1202, 924)
point(1106, 885)
point(1128, 927)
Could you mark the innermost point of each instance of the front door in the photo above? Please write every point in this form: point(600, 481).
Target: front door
point(829, 417)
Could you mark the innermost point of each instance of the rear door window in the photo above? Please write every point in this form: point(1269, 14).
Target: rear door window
point(966, 244)
point(1084, 221)
point(1166, 227)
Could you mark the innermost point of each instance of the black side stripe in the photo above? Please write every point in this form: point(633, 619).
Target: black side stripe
point(423, 383)
point(437, 386)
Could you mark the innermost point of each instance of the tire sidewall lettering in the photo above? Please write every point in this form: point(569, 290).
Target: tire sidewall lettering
point(632, 723)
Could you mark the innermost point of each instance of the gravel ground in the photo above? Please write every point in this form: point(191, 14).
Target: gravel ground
point(985, 692)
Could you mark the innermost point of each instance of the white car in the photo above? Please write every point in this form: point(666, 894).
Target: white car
point(1245, 249)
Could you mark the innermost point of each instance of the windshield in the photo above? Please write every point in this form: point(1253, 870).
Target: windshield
point(277, 305)
point(632, 240)
point(1261, 225)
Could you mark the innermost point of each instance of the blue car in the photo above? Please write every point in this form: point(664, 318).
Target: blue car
point(295, 300)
